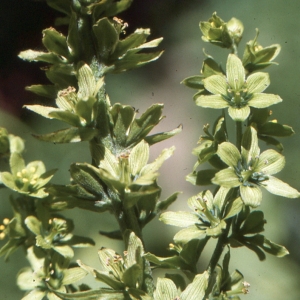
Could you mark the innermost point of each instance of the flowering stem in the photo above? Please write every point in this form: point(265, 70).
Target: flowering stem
point(239, 134)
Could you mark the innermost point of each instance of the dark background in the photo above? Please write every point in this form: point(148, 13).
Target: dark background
point(177, 21)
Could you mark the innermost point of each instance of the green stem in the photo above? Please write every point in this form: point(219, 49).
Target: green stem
point(222, 242)
point(239, 134)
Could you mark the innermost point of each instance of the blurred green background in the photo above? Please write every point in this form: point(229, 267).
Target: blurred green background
point(177, 21)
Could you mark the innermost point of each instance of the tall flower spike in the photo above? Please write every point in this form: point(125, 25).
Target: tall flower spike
point(236, 92)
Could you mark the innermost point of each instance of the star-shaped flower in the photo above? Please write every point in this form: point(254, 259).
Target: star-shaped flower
point(236, 92)
point(250, 170)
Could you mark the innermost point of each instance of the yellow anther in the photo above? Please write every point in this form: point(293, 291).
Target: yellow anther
point(2, 227)
point(24, 171)
point(33, 182)
point(6, 221)
point(25, 180)
point(32, 169)
point(2, 236)
point(19, 174)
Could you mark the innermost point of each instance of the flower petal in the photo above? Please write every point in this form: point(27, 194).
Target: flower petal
point(212, 101)
point(216, 84)
point(258, 82)
point(239, 114)
point(250, 147)
point(226, 178)
point(251, 195)
point(229, 154)
point(270, 162)
point(235, 72)
point(280, 188)
point(261, 100)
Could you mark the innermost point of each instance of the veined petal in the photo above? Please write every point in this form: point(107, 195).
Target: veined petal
point(226, 178)
point(235, 72)
point(251, 195)
point(229, 154)
point(239, 114)
point(216, 84)
point(258, 82)
point(261, 100)
point(270, 162)
point(280, 188)
point(250, 147)
point(212, 101)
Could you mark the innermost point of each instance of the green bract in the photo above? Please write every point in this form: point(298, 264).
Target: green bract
point(236, 92)
point(29, 180)
point(250, 170)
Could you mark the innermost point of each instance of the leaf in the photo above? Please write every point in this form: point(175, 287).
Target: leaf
point(158, 137)
point(254, 223)
point(194, 82)
point(55, 42)
point(132, 275)
point(108, 279)
point(65, 251)
point(69, 135)
point(189, 233)
point(48, 91)
point(99, 294)
point(203, 177)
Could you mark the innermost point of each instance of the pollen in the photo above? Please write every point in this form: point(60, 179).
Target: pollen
point(6, 221)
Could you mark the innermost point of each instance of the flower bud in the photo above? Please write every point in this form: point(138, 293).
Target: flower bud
point(235, 29)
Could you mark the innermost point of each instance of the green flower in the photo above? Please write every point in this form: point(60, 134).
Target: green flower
point(46, 276)
point(208, 216)
point(236, 92)
point(29, 180)
point(256, 57)
point(220, 33)
point(76, 109)
point(250, 170)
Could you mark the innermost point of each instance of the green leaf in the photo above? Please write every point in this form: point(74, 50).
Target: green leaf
point(48, 91)
point(274, 249)
point(132, 275)
point(179, 218)
point(275, 129)
point(164, 204)
point(233, 208)
point(69, 135)
point(172, 262)
point(196, 289)
point(132, 60)
point(203, 177)
point(250, 149)
point(165, 289)
point(55, 42)
point(84, 175)
point(32, 55)
point(210, 67)
point(108, 279)
point(158, 137)
point(194, 82)
point(99, 294)
point(254, 223)
point(280, 188)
